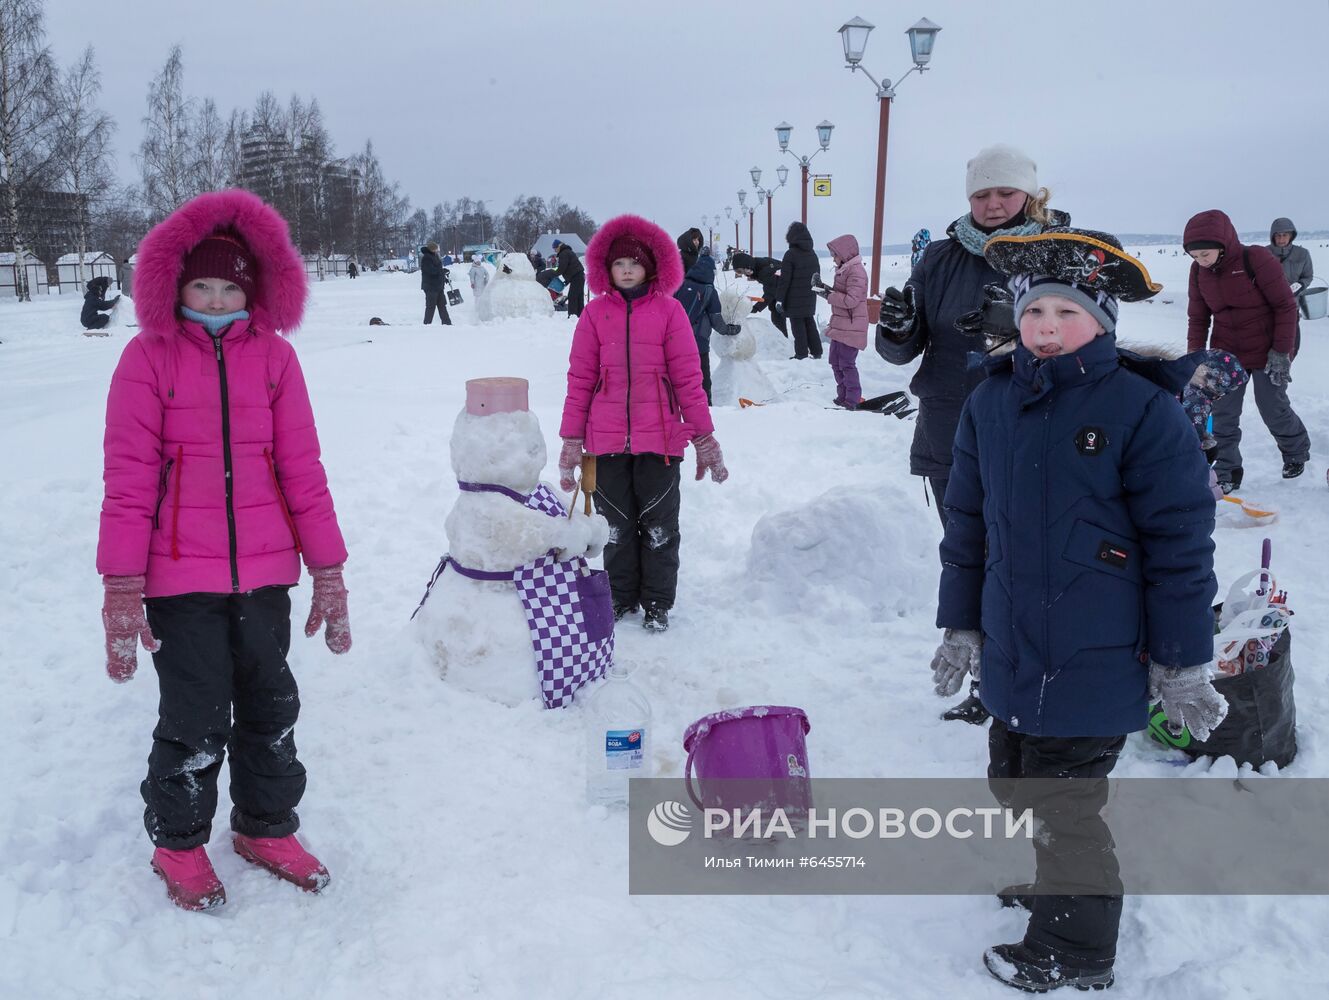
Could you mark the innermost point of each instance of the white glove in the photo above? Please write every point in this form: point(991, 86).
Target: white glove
point(960, 653)
point(1188, 698)
point(1296, 287)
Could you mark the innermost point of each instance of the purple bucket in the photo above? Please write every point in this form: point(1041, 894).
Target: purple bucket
point(755, 754)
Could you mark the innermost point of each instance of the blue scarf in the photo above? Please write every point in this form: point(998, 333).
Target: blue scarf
point(973, 239)
point(213, 323)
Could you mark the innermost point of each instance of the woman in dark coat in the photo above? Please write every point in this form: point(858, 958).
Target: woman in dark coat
point(795, 297)
point(948, 283)
point(766, 272)
point(94, 304)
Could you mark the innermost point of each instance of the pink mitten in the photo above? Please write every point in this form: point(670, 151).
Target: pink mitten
point(710, 457)
point(569, 461)
point(329, 605)
point(126, 625)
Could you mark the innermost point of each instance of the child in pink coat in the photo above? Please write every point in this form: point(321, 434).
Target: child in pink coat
point(214, 492)
point(635, 400)
point(848, 329)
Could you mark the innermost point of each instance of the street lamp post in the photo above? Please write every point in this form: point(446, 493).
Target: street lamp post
point(769, 194)
point(854, 37)
point(742, 198)
point(823, 137)
point(729, 214)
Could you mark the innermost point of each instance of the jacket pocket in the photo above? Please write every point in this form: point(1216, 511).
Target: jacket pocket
point(669, 393)
point(1105, 551)
point(281, 500)
point(162, 484)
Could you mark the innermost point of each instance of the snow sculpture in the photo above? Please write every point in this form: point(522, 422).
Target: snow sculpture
point(739, 374)
point(477, 629)
point(513, 292)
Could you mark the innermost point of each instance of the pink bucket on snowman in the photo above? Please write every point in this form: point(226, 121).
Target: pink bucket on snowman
point(752, 757)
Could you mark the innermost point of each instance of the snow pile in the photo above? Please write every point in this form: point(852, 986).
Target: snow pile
point(513, 292)
point(812, 558)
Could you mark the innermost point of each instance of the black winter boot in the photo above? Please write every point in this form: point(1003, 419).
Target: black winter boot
point(621, 611)
point(970, 710)
point(1230, 482)
point(1291, 470)
point(656, 618)
point(1020, 894)
point(1018, 966)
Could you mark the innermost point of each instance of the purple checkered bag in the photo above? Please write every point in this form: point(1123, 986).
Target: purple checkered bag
point(568, 606)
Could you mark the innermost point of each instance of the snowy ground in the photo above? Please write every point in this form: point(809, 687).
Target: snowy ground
point(464, 860)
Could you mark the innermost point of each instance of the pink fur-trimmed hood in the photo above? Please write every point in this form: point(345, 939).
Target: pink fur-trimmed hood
point(668, 264)
point(281, 288)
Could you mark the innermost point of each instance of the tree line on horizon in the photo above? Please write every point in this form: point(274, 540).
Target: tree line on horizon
point(59, 192)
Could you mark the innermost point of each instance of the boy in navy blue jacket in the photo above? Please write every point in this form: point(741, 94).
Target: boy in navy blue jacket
point(1077, 567)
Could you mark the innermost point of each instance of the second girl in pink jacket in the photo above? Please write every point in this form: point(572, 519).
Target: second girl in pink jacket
point(635, 400)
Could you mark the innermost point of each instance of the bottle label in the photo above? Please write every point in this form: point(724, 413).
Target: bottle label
point(624, 749)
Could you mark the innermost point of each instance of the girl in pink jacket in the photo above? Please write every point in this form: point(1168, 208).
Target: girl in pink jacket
point(214, 492)
point(635, 401)
point(848, 329)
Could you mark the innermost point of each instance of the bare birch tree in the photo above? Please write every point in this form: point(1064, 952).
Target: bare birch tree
point(82, 143)
point(165, 158)
point(27, 110)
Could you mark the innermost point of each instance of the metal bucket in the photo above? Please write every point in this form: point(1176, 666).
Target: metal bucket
point(1315, 301)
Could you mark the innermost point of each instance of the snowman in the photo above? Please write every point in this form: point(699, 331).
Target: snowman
point(513, 292)
point(738, 375)
point(474, 621)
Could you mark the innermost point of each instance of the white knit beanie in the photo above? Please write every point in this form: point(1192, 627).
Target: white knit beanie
point(1001, 166)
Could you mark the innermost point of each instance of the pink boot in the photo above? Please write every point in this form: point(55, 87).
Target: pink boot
point(190, 881)
point(285, 858)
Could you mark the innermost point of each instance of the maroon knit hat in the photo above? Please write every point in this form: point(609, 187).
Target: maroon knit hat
point(631, 247)
point(222, 255)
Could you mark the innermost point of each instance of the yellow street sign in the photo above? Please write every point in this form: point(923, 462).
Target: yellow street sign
point(821, 187)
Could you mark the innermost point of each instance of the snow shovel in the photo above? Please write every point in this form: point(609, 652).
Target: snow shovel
point(1260, 512)
point(585, 485)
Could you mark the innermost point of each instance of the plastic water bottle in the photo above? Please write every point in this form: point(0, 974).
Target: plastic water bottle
point(619, 718)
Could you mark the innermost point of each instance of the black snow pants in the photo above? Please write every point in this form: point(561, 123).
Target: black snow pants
point(1077, 930)
point(437, 300)
point(225, 686)
point(638, 495)
point(577, 295)
point(803, 330)
point(97, 322)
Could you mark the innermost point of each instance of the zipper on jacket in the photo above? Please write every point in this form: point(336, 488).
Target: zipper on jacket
point(226, 460)
point(161, 492)
point(627, 350)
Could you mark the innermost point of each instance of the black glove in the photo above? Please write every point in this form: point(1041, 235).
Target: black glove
point(897, 310)
point(994, 320)
point(759, 306)
point(817, 282)
point(823, 291)
point(777, 307)
point(732, 330)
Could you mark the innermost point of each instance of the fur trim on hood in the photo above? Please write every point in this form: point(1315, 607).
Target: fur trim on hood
point(281, 285)
point(668, 263)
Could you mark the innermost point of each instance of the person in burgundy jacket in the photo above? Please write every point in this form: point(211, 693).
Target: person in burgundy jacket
point(1241, 302)
point(214, 493)
point(635, 401)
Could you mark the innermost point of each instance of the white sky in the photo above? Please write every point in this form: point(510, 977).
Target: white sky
point(1139, 114)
